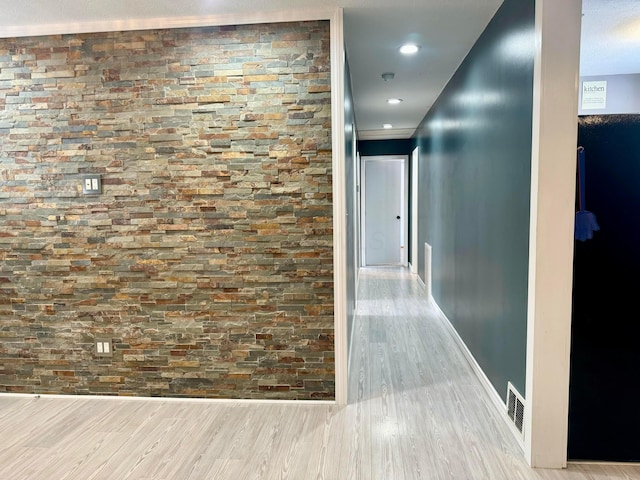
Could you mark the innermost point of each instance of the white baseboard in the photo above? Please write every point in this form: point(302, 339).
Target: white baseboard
point(494, 396)
point(239, 401)
point(350, 340)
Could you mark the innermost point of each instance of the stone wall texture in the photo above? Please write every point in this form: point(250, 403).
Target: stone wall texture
point(208, 258)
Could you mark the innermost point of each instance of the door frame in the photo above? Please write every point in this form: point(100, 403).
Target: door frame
point(415, 155)
point(404, 229)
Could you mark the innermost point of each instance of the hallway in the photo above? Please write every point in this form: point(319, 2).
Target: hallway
point(416, 412)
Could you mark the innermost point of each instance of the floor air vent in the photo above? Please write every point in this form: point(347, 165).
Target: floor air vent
point(515, 408)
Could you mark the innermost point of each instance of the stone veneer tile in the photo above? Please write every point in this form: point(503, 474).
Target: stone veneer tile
point(207, 260)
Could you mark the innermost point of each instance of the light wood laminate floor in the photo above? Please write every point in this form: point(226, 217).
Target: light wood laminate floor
point(416, 412)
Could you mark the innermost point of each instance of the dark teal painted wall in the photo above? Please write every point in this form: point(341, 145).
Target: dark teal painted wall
point(371, 148)
point(353, 247)
point(475, 174)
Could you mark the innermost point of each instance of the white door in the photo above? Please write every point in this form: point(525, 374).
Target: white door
point(384, 211)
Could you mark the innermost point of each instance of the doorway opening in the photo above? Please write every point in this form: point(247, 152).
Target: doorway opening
point(384, 215)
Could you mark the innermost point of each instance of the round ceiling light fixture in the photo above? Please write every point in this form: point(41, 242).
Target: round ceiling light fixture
point(409, 49)
point(388, 76)
point(394, 101)
point(387, 126)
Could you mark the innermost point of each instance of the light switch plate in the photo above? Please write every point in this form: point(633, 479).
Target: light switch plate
point(92, 184)
point(103, 348)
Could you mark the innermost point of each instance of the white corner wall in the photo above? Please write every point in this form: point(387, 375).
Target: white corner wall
point(555, 104)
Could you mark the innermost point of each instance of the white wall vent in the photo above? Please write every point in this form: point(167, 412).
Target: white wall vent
point(428, 274)
point(515, 408)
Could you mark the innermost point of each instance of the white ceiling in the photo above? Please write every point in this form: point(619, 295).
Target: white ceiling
point(445, 30)
point(374, 29)
point(610, 37)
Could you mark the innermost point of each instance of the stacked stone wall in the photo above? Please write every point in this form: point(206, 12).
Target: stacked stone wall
point(207, 260)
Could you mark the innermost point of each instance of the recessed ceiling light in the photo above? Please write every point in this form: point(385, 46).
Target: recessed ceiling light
point(394, 101)
point(409, 49)
point(387, 126)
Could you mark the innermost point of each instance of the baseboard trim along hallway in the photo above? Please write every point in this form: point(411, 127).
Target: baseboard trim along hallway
point(489, 389)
